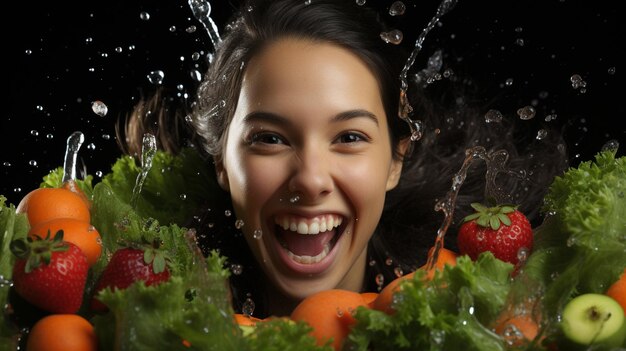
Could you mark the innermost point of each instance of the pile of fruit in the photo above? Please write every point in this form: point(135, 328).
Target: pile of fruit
point(82, 269)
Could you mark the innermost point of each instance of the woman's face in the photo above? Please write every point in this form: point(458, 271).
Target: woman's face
point(307, 161)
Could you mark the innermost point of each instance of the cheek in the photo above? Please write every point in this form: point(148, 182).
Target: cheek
point(252, 184)
point(365, 185)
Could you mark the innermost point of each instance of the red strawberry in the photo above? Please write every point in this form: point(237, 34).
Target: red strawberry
point(128, 265)
point(50, 273)
point(503, 230)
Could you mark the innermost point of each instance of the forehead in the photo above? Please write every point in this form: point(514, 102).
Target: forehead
point(301, 71)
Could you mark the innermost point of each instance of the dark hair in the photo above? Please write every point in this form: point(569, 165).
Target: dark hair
point(259, 23)
point(409, 222)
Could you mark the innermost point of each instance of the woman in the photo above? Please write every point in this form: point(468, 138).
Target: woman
point(298, 115)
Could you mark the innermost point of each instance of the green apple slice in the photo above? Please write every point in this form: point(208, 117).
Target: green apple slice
point(594, 319)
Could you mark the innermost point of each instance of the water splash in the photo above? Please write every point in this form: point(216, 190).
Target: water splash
point(148, 150)
point(496, 164)
point(202, 10)
point(74, 142)
point(405, 109)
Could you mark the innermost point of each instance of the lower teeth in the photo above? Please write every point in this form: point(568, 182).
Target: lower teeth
point(309, 259)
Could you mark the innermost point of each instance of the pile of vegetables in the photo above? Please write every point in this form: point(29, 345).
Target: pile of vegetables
point(579, 249)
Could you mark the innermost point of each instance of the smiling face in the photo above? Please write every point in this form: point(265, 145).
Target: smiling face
point(307, 161)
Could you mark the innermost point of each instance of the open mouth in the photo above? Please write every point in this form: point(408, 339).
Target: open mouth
point(308, 240)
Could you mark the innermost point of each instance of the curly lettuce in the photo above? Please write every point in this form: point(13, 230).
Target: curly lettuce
point(581, 246)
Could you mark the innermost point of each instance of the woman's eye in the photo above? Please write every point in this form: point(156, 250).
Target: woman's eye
point(266, 138)
point(350, 138)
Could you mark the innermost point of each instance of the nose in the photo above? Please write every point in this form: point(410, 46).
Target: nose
point(311, 177)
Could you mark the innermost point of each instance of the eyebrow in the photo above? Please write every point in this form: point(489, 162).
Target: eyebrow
point(263, 116)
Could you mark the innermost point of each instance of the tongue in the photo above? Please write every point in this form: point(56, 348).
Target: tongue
point(306, 244)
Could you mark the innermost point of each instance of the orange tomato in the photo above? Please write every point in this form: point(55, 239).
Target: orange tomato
point(617, 291)
point(330, 314)
point(62, 332)
point(78, 232)
point(44, 204)
point(384, 301)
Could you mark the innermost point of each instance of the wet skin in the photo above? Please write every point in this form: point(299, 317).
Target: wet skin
point(308, 161)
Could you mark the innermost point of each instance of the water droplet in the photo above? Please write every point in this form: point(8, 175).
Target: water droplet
point(188, 119)
point(294, 199)
point(99, 174)
point(392, 37)
point(237, 269)
point(32, 163)
point(106, 136)
point(437, 337)
point(372, 263)
point(525, 113)
point(34, 132)
point(339, 312)
point(380, 281)
point(522, 254)
point(611, 70)
point(257, 234)
point(519, 42)
point(493, 116)
point(360, 2)
point(239, 223)
point(550, 117)
point(144, 16)
point(228, 213)
point(156, 77)
point(397, 8)
point(577, 81)
point(17, 190)
point(389, 261)
point(611, 145)
point(28, 51)
point(196, 75)
point(398, 271)
point(118, 49)
point(6, 164)
point(190, 29)
point(49, 136)
point(91, 146)
point(307, 2)
point(508, 82)
point(182, 197)
point(248, 307)
point(541, 134)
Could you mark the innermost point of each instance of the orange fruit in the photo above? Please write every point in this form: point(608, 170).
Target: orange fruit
point(508, 326)
point(369, 298)
point(445, 257)
point(330, 314)
point(244, 319)
point(384, 301)
point(73, 187)
point(62, 332)
point(75, 231)
point(617, 291)
point(44, 204)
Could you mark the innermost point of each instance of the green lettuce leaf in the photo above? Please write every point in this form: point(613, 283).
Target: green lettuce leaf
point(174, 188)
point(448, 313)
point(12, 226)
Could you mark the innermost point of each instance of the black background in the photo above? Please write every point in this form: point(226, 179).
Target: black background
point(64, 55)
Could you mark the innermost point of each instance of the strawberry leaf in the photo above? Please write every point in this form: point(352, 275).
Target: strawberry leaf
point(504, 219)
point(158, 265)
point(494, 222)
point(148, 256)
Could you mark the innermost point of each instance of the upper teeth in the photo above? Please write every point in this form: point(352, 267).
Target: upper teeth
point(313, 225)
